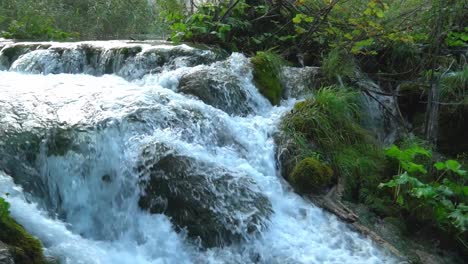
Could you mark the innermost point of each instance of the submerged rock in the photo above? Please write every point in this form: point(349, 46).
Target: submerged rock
point(218, 206)
point(218, 89)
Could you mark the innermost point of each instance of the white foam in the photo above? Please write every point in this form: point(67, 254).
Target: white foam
point(104, 223)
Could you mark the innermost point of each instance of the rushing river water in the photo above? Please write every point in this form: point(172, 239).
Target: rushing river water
point(75, 119)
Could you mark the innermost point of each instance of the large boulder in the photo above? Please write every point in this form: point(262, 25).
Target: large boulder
point(219, 88)
point(215, 205)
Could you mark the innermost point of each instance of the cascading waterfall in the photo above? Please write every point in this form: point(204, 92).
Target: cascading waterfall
point(87, 127)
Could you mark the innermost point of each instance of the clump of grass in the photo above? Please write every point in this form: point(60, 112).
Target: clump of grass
point(331, 122)
point(338, 64)
point(330, 119)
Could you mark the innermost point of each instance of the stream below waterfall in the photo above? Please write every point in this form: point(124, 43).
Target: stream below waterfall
point(84, 126)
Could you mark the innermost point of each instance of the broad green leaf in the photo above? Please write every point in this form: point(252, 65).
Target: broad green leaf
point(393, 152)
point(424, 192)
point(453, 165)
point(439, 165)
point(412, 167)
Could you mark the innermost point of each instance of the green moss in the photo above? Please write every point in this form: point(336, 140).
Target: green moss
point(267, 75)
point(311, 175)
point(25, 248)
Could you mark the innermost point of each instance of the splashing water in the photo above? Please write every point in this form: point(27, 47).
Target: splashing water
point(84, 135)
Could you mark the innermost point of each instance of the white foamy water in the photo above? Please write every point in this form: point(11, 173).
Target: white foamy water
point(87, 208)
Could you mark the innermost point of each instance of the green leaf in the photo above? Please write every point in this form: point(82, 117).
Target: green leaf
point(439, 165)
point(412, 167)
point(453, 165)
point(297, 19)
point(459, 218)
point(393, 152)
point(425, 192)
point(309, 19)
point(379, 13)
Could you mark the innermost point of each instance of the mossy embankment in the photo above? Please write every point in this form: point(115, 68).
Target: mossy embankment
point(24, 248)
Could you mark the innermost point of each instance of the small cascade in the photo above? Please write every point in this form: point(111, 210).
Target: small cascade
point(130, 60)
point(116, 152)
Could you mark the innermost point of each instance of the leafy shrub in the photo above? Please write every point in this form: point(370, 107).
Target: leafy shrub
point(442, 201)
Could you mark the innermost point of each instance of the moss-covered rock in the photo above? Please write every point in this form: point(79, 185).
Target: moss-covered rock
point(25, 248)
point(267, 75)
point(311, 175)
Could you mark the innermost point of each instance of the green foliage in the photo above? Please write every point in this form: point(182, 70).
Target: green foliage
point(311, 175)
point(59, 20)
point(210, 23)
point(35, 27)
point(441, 201)
point(26, 249)
point(267, 75)
point(457, 39)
